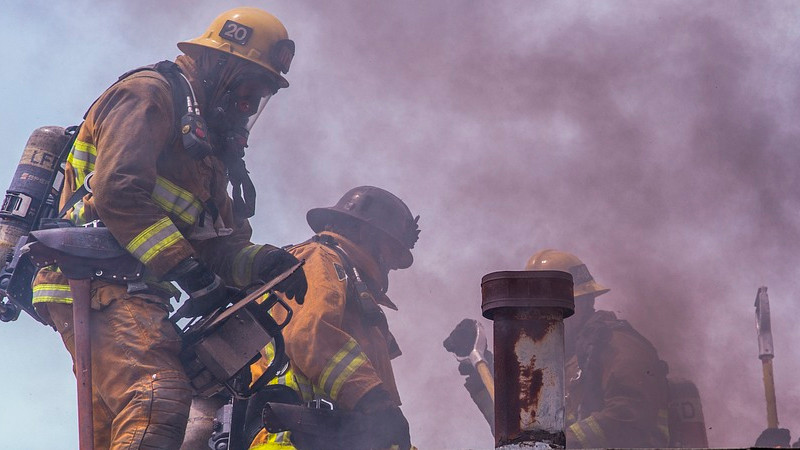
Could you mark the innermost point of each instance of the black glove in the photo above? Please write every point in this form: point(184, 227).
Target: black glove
point(773, 438)
point(389, 427)
point(206, 289)
point(273, 263)
point(384, 424)
point(462, 338)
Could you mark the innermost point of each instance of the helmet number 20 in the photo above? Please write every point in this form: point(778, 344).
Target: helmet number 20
point(236, 32)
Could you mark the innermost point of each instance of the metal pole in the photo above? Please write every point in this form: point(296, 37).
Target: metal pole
point(528, 309)
point(81, 308)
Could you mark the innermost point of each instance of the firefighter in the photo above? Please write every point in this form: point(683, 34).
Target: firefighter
point(617, 391)
point(338, 341)
point(155, 173)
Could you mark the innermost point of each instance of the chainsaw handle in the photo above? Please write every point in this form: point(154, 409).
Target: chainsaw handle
point(280, 361)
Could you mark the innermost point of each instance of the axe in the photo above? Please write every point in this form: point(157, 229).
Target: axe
point(765, 353)
point(468, 342)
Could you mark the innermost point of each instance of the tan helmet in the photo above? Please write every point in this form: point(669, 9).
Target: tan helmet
point(251, 34)
point(567, 262)
point(378, 208)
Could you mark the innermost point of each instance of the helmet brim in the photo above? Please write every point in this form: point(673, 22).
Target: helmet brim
point(591, 288)
point(317, 218)
point(194, 49)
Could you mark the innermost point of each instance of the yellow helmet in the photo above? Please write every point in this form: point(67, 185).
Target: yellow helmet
point(567, 262)
point(251, 34)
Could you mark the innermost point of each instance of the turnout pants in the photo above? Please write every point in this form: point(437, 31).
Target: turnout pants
point(140, 394)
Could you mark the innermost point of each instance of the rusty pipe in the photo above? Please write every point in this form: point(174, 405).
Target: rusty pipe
point(528, 309)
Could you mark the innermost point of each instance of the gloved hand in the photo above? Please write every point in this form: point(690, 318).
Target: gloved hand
point(276, 261)
point(206, 289)
point(462, 338)
point(386, 425)
point(773, 438)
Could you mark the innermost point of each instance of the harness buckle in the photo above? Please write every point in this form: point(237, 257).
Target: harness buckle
point(320, 403)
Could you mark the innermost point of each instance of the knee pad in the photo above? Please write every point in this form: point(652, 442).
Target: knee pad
point(169, 411)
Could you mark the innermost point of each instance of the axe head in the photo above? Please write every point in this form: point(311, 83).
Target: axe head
point(467, 341)
point(763, 325)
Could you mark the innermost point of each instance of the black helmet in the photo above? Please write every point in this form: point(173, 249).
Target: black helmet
point(379, 208)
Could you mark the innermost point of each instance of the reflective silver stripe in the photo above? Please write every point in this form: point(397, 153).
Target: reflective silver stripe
point(305, 387)
point(46, 292)
point(201, 292)
point(589, 432)
point(153, 240)
point(82, 158)
point(342, 366)
point(175, 200)
point(78, 214)
point(242, 271)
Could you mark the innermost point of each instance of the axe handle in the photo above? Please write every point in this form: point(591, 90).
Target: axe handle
point(769, 391)
point(486, 377)
point(81, 307)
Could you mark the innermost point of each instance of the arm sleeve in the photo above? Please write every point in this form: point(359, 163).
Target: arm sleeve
point(133, 123)
point(315, 341)
point(234, 258)
point(634, 412)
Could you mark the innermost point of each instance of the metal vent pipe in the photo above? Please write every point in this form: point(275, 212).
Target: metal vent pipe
point(528, 309)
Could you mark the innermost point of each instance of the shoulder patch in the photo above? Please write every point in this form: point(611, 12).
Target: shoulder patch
point(340, 273)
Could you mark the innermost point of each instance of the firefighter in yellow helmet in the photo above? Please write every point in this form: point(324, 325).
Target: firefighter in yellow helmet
point(152, 162)
point(338, 341)
point(617, 390)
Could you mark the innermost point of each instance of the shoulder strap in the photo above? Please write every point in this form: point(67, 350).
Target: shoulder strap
point(358, 295)
point(180, 92)
point(357, 290)
point(170, 71)
point(179, 86)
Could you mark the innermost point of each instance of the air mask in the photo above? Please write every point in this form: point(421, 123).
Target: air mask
point(231, 120)
point(237, 111)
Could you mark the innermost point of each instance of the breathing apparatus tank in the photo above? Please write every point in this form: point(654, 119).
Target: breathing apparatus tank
point(32, 195)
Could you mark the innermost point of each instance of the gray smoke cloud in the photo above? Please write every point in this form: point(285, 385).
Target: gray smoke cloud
point(657, 141)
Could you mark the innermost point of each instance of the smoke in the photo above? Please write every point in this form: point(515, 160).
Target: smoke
point(656, 141)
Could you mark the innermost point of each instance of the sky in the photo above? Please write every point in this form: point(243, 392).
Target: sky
point(658, 141)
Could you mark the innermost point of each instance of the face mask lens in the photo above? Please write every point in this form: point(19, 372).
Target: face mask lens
point(250, 96)
point(247, 106)
point(261, 103)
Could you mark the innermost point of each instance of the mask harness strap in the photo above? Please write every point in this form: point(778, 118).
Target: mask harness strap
point(244, 192)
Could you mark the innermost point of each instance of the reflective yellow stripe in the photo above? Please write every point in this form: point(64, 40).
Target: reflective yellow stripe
point(280, 445)
point(343, 364)
point(175, 200)
point(663, 422)
point(53, 293)
point(242, 271)
point(154, 239)
point(589, 433)
point(82, 158)
point(346, 373)
point(595, 427)
point(291, 378)
point(78, 214)
point(576, 430)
